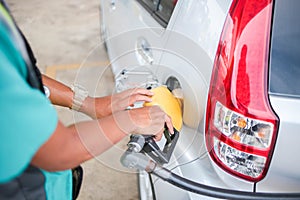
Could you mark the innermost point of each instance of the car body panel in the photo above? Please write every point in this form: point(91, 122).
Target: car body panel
point(284, 173)
point(186, 49)
point(125, 24)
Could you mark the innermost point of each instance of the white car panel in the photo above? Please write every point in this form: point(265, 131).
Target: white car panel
point(129, 23)
point(202, 21)
point(185, 49)
point(286, 150)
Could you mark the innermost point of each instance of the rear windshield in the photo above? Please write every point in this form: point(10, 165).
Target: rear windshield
point(285, 49)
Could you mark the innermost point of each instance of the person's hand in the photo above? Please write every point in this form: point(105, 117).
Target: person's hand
point(146, 121)
point(104, 106)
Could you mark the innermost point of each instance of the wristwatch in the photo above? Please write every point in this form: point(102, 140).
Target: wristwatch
point(80, 94)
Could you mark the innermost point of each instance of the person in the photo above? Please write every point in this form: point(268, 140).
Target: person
point(37, 151)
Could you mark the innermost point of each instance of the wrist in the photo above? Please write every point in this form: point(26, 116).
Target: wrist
point(89, 107)
point(124, 122)
point(80, 94)
point(96, 107)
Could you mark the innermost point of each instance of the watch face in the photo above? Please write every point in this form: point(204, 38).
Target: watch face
point(47, 91)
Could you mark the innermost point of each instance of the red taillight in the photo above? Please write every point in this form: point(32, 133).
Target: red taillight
point(241, 127)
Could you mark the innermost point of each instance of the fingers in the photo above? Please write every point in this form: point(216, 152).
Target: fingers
point(158, 120)
point(159, 135)
point(169, 124)
point(122, 100)
point(139, 91)
point(142, 91)
point(132, 96)
point(140, 94)
point(145, 120)
point(164, 119)
point(137, 97)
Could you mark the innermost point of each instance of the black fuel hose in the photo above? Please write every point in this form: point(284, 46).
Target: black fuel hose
point(139, 161)
point(206, 190)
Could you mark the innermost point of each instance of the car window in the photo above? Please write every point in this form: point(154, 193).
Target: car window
point(160, 10)
point(165, 9)
point(150, 5)
point(285, 49)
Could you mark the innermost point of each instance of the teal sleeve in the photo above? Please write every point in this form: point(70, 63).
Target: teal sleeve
point(60, 182)
point(27, 117)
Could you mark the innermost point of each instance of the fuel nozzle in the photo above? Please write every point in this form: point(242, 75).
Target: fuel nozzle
point(132, 158)
point(145, 143)
point(136, 143)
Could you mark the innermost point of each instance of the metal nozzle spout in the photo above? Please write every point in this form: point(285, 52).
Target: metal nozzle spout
point(138, 161)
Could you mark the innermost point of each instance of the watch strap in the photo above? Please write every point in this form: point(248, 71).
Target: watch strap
point(80, 94)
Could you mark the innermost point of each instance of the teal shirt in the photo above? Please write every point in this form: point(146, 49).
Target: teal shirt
point(27, 121)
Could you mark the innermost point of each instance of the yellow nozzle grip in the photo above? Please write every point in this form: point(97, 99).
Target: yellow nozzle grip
point(168, 103)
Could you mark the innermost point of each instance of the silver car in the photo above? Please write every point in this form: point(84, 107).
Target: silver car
point(236, 67)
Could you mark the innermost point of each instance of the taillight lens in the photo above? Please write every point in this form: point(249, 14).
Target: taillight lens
point(241, 127)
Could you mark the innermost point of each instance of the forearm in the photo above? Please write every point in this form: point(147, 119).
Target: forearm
point(63, 95)
point(97, 136)
point(70, 146)
point(60, 94)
